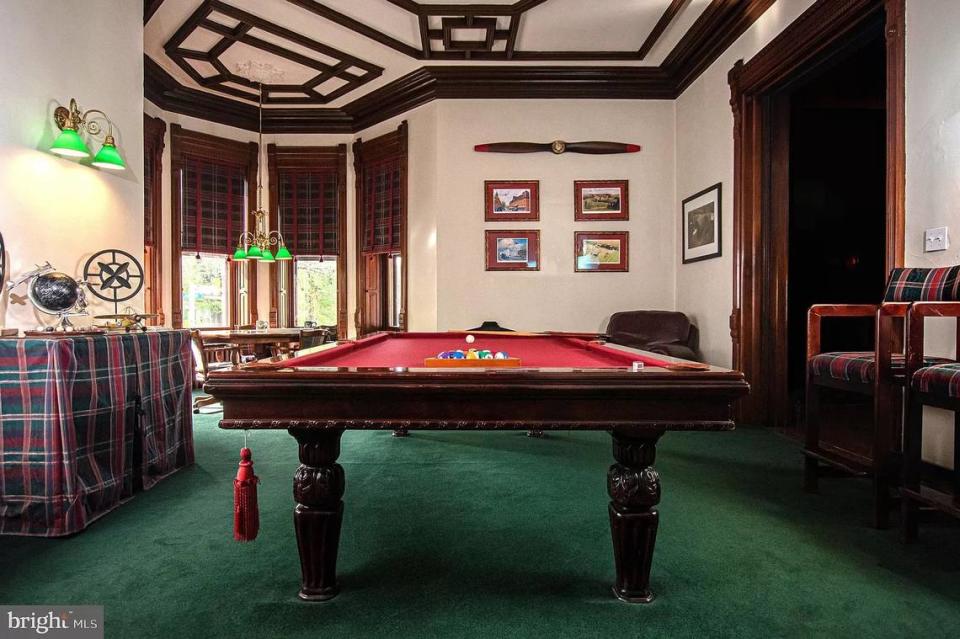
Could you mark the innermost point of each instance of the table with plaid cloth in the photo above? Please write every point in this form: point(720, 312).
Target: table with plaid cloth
point(86, 420)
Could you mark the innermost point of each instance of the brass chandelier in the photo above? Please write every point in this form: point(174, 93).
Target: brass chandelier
point(256, 244)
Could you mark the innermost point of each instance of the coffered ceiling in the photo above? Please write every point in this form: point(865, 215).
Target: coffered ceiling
point(347, 64)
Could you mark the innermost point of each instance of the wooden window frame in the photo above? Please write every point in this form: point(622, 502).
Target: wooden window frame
point(392, 145)
point(154, 131)
point(186, 143)
point(759, 273)
point(317, 158)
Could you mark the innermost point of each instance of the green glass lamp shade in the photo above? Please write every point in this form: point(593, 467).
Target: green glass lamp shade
point(253, 253)
point(109, 158)
point(69, 144)
point(239, 255)
point(266, 256)
point(283, 253)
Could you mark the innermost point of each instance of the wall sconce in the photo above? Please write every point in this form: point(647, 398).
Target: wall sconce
point(70, 143)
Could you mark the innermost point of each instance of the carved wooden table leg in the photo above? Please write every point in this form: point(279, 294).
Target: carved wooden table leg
point(634, 488)
point(318, 489)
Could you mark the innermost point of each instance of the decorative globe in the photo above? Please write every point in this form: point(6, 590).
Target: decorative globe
point(54, 293)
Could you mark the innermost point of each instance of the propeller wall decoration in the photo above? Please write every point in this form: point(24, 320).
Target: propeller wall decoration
point(557, 147)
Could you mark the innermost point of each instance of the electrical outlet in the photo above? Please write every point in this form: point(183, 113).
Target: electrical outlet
point(935, 240)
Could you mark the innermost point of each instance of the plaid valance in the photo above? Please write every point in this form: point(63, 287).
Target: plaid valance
point(382, 198)
point(308, 211)
point(87, 419)
point(924, 285)
point(213, 206)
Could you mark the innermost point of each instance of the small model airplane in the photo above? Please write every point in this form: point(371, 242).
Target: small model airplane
point(127, 322)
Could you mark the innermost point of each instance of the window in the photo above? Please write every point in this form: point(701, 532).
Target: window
point(205, 295)
point(381, 182)
point(210, 192)
point(308, 207)
point(315, 290)
point(395, 288)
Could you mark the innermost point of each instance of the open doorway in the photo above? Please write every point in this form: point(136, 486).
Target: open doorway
point(837, 218)
point(818, 188)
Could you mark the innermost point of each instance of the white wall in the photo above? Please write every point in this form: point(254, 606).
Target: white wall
point(933, 168)
point(423, 210)
point(52, 208)
point(704, 156)
point(555, 297)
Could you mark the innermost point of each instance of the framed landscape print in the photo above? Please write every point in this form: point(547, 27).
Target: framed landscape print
point(597, 200)
point(511, 201)
point(701, 225)
point(597, 252)
point(512, 250)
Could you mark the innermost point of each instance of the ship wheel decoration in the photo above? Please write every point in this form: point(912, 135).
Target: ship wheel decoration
point(113, 275)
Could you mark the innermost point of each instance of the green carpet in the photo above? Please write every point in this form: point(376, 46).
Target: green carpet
point(477, 534)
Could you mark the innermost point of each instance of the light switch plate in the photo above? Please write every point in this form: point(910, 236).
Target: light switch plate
point(936, 240)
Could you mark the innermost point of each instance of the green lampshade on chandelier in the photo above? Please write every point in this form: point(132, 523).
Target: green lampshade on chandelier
point(256, 245)
point(70, 144)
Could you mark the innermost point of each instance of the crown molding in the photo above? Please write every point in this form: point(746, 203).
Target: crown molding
point(721, 23)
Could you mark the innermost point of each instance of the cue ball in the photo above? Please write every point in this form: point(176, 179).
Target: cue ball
point(471, 339)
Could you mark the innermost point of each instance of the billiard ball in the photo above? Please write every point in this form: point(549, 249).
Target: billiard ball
point(471, 339)
point(472, 355)
point(500, 355)
point(457, 355)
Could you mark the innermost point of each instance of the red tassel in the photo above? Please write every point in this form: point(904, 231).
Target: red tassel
point(246, 514)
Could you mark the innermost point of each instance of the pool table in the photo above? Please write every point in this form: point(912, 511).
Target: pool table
point(564, 382)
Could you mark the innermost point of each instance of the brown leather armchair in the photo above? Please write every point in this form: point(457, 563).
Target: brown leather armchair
point(664, 332)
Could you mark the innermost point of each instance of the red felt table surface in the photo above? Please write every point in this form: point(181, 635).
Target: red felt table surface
point(410, 349)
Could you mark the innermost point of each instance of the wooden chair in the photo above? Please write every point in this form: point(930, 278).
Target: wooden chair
point(879, 374)
point(208, 357)
point(309, 338)
point(937, 385)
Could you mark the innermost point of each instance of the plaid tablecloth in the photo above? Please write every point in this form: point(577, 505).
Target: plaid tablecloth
point(85, 421)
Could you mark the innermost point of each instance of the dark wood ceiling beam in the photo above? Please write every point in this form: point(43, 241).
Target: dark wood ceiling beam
point(424, 27)
point(719, 26)
point(414, 89)
point(409, 5)
point(149, 8)
point(526, 5)
point(345, 21)
point(721, 23)
point(675, 7)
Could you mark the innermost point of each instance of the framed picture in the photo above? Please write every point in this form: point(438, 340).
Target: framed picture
point(512, 201)
point(601, 252)
point(601, 200)
point(512, 250)
point(701, 225)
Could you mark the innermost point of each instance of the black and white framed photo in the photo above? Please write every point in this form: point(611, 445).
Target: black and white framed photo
point(701, 225)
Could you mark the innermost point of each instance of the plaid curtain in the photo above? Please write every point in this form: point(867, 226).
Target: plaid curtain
point(213, 207)
point(84, 419)
point(148, 174)
point(382, 200)
point(308, 203)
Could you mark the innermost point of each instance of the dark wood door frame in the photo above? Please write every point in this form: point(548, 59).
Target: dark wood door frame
point(759, 275)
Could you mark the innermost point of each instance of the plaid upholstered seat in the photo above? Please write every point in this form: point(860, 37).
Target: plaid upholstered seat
point(942, 379)
point(856, 366)
point(923, 285)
